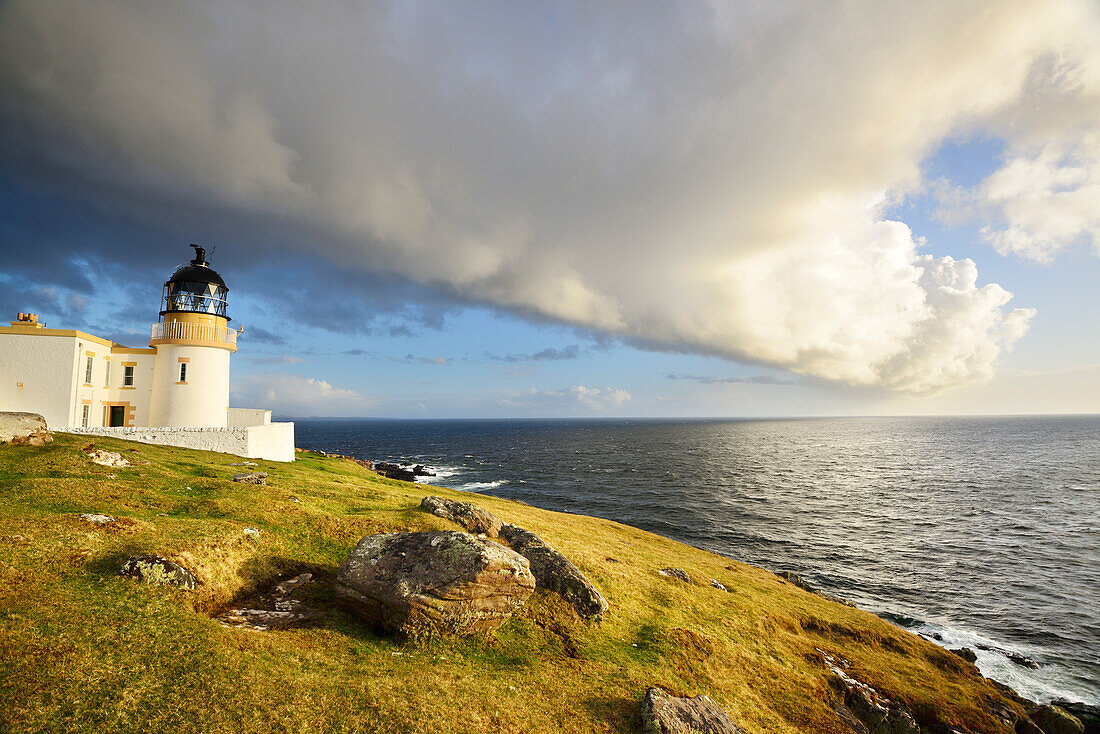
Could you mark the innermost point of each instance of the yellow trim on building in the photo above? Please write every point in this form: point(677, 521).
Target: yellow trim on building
point(127, 387)
point(127, 417)
point(89, 354)
point(183, 359)
point(35, 331)
point(196, 318)
point(132, 350)
point(128, 364)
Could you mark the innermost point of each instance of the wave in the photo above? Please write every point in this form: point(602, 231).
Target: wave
point(1001, 662)
point(478, 486)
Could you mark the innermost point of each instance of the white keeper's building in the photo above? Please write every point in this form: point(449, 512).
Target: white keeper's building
point(174, 392)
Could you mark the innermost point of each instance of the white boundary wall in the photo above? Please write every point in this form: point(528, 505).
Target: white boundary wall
point(274, 441)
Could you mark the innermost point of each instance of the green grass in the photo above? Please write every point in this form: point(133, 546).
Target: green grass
point(84, 650)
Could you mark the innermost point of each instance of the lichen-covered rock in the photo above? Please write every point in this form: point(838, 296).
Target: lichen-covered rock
point(862, 707)
point(676, 573)
point(107, 458)
point(466, 514)
point(445, 582)
point(23, 429)
point(555, 572)
point(1056, 720)
point(251, 533)
point(663, 713)
point(278, 608)
point(97, 519)
point(156, 570)
point(1087, 714)
point(253, 477)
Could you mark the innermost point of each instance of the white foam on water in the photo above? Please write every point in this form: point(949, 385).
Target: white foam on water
point(1043, 685)
point(478, 486)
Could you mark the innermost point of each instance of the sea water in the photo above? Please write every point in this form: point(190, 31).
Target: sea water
point(981, 532)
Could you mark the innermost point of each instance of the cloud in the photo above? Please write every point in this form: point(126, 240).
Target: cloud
point(1043, 197)
point(586, 398)
point(549, 354)
point(697, 177)
point(410, 358)
point(753, 380)
point(284, 359)
point(258, 334)
point(293, 395)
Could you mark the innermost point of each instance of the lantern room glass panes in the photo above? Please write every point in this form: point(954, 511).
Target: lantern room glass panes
point(194, 297)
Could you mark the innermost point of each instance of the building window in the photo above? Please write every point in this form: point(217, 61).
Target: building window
point(128, 376)
point(183, 372)
point(84, 417)
point(88, 372)
point(107, 375)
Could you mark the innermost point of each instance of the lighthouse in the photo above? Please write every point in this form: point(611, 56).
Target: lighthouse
point(193, 342)
point(173, 392)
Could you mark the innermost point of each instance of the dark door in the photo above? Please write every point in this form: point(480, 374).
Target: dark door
point(118, 415)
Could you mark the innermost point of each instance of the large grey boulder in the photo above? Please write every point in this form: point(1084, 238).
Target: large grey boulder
point(156, 570)
point(23, 429)
point(466, 514)
point(663, 713)
point(444, 582)
point(555, 572)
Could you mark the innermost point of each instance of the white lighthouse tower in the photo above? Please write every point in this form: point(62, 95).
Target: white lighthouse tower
point(193, 342)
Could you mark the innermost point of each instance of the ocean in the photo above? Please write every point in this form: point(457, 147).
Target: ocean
point(981, 532)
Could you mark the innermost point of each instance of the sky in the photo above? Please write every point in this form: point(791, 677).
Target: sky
point(622, 209)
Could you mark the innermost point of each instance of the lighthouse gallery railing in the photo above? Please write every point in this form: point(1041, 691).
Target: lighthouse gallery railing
point(193, 332)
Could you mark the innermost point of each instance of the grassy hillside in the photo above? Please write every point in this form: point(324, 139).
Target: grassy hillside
point(81, 649)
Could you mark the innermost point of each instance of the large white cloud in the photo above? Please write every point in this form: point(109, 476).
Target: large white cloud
point(699, 177)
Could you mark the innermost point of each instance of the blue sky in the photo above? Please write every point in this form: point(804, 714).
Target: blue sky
point(668, 212)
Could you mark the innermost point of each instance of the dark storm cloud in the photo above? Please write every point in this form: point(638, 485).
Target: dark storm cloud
point(704, 177)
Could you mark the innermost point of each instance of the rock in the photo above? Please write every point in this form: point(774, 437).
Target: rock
point(244, 463)
point(445, 582)
point(555, 572)
point(292, 498)
point(1088, 715)
point(1056, 720)
point(862, 707)
point(676, 573)
point(275, 609)
point(107, 458)
point(420, 471)
point(718, 585)
point(97, 519)
point(394, 471)
point(255, 477)
point(966, 654)
point(156, 570)
point(663, 713)
point(801, 583)
point(1022, 660)
point(23, 429)
point(466, 514)
point(251, 533)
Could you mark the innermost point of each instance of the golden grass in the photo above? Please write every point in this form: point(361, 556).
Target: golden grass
point(83, 650)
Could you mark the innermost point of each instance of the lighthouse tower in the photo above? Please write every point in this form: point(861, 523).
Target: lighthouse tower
point(193, 343)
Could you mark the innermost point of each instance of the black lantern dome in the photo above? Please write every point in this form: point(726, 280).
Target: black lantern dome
point(195, 288)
